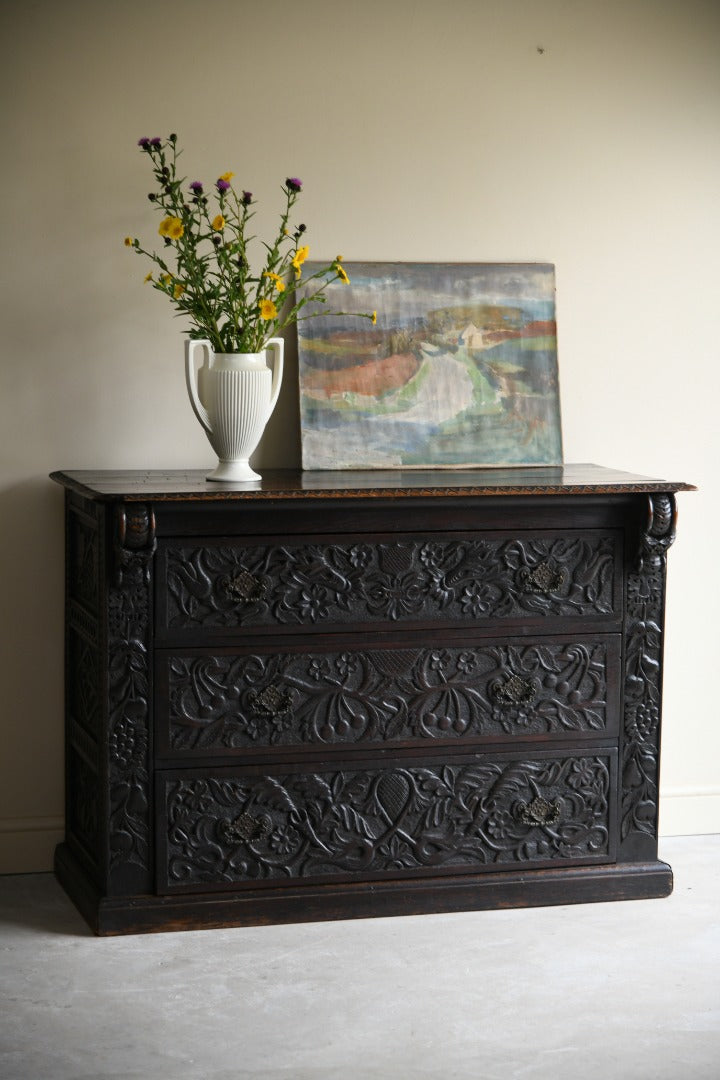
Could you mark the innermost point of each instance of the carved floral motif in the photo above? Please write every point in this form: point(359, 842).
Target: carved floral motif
point(128, 718)
point(390, 581)
point(387, 694)
point(643, 659)
point(470, 817)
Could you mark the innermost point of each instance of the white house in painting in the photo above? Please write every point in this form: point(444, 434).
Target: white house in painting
point(471, 337)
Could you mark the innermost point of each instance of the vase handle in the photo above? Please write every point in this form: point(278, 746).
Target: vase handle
point(192, 381)
point(278, 346)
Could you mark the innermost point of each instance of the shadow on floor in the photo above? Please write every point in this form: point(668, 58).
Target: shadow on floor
point(37, 904)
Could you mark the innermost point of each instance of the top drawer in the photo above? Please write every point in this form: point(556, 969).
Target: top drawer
point(351, 582)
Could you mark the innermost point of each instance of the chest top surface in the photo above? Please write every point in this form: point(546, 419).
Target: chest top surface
point(191, 486)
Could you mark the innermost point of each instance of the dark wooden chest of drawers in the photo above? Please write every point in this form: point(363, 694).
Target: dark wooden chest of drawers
point(335, 695)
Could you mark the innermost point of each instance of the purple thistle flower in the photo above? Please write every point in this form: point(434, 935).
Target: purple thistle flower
point(196, 187)
point(144, 142)
point(222, 185)
point(247, 198)
point(293, 183)
point(157, 141)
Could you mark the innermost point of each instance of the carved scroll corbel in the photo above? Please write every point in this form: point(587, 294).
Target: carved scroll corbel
point(134, 541)
point(659, 532)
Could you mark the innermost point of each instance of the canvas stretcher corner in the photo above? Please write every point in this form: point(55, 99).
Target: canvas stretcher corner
point(460, 371)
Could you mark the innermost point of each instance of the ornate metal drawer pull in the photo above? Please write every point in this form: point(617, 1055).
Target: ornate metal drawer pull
point(244, 587)
point(543, 578)
point(539, 812)
point(515, 691)
point(245, 828)
point(271, 701)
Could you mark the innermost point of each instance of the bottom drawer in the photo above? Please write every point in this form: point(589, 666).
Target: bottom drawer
point(225, 828)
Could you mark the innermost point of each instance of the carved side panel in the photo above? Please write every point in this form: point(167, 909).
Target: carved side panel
point(129, 690)
point(226, 702)
point(83, 557)
point(489, 814)
point(390, 581)
point(83, 704)
point(643, 683)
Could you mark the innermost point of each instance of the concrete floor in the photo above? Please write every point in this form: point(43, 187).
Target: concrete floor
point(627, 991)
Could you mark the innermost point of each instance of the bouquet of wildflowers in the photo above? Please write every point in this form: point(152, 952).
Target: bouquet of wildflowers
point(204, 267)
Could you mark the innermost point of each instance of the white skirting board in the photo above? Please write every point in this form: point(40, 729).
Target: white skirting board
point(27, 845)
point(689, 811)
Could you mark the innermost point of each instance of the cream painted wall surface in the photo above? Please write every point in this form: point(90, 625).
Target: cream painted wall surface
point(580, 133)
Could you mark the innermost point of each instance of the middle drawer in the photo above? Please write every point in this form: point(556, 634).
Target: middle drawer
point(243, 701)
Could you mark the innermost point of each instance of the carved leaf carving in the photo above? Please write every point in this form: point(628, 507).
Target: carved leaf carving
point(390, 581)
point(393, 821)
point(643, 656)
point(382, 695)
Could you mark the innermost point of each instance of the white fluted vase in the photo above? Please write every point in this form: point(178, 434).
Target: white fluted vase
point(233, 396)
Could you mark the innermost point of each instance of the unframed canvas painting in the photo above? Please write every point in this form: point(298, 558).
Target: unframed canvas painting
point(460, 370)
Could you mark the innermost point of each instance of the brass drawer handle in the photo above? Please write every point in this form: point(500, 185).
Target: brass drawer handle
point(514, 691)
point(244, 587)
point(543, 578)
point(271, 701)
point(539, 812)
point(245, 828)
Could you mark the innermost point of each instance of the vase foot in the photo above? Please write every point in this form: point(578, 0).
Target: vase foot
point(233, 472)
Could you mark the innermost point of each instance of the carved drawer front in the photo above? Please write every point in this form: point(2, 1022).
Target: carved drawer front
point(484, 813)
point(315, 583)
point(211, 704)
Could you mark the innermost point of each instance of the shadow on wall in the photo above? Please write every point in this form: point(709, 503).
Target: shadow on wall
point(280, 445)
point(32, 550)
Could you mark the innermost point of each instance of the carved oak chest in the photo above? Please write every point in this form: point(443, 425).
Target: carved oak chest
point(335, 695)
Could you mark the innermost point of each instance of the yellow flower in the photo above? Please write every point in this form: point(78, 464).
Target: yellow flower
point(276, 280)
point(299, 258)
point(342, 275)
point(226, 176)
point(178, 290)
point(148, 277)
point(218, 223)
point(267, 310)
point(171, 227)
point(338, 258)
point(129, 242)
point(165, 279)
point(374, 318)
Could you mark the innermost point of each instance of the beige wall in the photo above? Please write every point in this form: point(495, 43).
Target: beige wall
point(422, 131)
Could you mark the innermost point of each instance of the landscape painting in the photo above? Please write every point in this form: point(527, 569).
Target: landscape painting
point(460, 369)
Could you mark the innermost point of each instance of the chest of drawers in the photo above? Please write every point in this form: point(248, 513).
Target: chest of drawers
point(335, 695)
